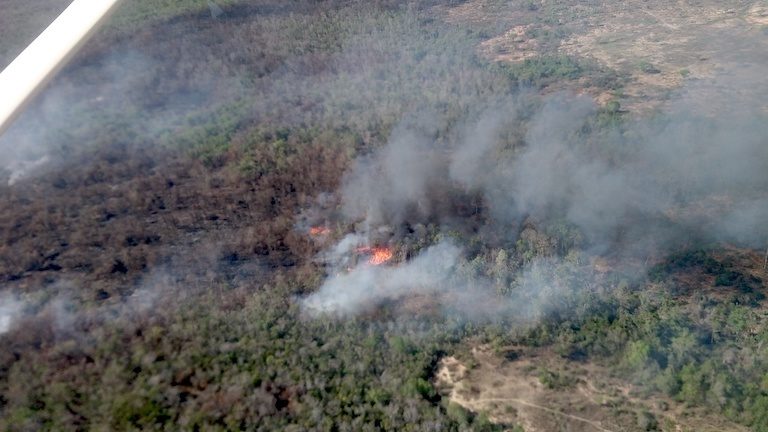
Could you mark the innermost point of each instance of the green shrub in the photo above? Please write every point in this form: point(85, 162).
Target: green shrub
point(649, 68)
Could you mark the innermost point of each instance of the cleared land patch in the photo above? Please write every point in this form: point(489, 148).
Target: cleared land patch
point(544, 392)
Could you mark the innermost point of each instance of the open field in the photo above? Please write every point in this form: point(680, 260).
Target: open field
point(660, 46)
point(514, 386)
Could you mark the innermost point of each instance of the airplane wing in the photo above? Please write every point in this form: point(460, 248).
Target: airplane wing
point(49, 52)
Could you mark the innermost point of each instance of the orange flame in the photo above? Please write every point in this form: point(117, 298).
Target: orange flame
point(318, 231)
point(379, 254)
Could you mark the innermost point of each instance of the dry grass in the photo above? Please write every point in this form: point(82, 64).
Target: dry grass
point(662, 46)
point(511, 392)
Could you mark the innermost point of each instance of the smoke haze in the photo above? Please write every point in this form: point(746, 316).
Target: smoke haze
point(493, 161)
point(10, 308)
point(645, 187)
point(366, 285)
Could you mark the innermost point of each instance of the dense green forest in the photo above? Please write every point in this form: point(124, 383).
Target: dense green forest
point(154, 269)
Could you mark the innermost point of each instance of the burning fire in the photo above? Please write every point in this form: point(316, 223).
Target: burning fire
point(378, 254)
point(319, 231)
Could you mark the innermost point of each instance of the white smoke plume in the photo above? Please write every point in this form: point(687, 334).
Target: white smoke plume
point(645, 187)
point(10, 309)
point(365, 285)
point(61, 308)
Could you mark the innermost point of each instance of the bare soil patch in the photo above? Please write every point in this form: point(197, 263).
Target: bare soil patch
point(708, 53)
point(510, 390)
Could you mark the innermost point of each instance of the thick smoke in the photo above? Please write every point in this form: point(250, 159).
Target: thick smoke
point(395, 184)
point(366, 285)
point(439, 271)
point(636, 189)
point(643, 180)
